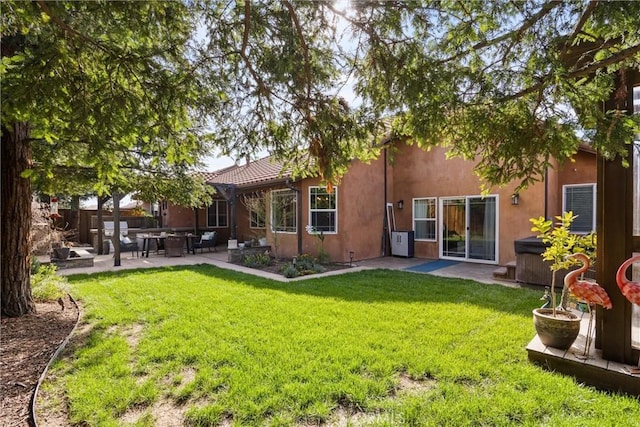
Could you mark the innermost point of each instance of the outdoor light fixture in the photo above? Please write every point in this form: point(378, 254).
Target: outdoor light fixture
point(515, 198)
point(400, 204)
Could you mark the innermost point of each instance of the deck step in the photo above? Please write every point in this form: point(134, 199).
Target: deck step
point(507, 272)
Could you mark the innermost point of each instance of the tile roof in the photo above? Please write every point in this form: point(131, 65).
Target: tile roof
point(258, 171)
point(207, 176)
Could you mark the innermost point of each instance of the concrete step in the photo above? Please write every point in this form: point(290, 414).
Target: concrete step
point(500, 273)
point(507, 272)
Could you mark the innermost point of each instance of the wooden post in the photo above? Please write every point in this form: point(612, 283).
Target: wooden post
point(99, 227)
point(615, 241)
point(196, 228)
point(116, 229)
point(614, 222)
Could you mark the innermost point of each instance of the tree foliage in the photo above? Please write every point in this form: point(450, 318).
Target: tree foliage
point(107, 89)
point(119, 95)
point(511, 84)
point(96, 96)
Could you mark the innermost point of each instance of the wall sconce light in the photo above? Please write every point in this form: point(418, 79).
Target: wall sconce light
point(400, 204)
point(515, 199)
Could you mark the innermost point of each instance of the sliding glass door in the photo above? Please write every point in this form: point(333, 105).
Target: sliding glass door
point(454, 228)
point(469, 228)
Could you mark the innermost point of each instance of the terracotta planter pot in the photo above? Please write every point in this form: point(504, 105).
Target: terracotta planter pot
point(558, 332)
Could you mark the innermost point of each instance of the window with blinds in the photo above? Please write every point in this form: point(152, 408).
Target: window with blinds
point(581, 200)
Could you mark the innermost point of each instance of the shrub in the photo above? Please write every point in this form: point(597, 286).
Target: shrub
point(46, 285)
point(307, 264)
point(257, 260)
point(35, 265)
point(289, 271)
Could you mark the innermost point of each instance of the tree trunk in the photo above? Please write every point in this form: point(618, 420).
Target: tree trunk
point(15, 241)
point(74, 218)
point(99, 226)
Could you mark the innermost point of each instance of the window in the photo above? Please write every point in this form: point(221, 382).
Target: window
point(217, 214)
point(424, 218)
point(257, 211)
point(581, 200)
point(323, 209)
point(283, 211)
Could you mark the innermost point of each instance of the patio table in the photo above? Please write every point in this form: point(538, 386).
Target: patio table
point(191, 247)
point(146, 242)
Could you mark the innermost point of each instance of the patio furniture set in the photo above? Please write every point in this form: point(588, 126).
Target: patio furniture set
point(170, 244)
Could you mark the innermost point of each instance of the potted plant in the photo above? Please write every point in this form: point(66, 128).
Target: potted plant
point(61, 251)
point(556, 326)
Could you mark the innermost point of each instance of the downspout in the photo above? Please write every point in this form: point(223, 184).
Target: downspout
point(299, 213)
point(546, 193)
point(383, 245)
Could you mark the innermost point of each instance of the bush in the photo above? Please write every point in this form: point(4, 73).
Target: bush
point(46, 285)
point(323, 256)
point(35, 265)
point(289, 271)
point(307, 264)
point(257, 260)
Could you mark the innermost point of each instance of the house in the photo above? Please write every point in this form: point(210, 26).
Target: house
point(437, 198)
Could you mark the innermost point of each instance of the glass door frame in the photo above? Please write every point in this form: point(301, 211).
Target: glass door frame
point(466, 237)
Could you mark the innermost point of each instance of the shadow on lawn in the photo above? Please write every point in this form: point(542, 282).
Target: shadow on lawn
point(371, 286)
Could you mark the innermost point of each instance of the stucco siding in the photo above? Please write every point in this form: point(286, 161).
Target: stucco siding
point(410, 173)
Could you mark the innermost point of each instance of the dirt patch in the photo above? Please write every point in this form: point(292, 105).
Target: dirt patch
point(409, 385)
point(27, 344)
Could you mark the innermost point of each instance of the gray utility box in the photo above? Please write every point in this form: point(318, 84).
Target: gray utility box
point(402, 243)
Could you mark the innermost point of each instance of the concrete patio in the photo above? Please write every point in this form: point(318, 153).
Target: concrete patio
point(479, 272)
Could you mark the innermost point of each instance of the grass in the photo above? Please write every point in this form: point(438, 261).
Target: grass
point(380, 348)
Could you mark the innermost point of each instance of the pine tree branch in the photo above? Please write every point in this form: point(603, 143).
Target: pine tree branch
point(579, 73)
point(591, 7)
point(303, 44)
point(515, 34)
point(68, 29)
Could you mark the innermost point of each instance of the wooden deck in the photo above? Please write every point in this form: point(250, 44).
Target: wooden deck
point(595, 371)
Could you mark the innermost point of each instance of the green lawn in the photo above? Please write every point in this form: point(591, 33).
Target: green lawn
point(370, 348)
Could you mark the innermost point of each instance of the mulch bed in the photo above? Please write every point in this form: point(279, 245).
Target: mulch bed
point(277, 265)
point(27, 344)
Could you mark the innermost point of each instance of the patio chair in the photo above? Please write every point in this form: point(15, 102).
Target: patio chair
point(174, 246)
point(207, 240)
point(126, 245)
